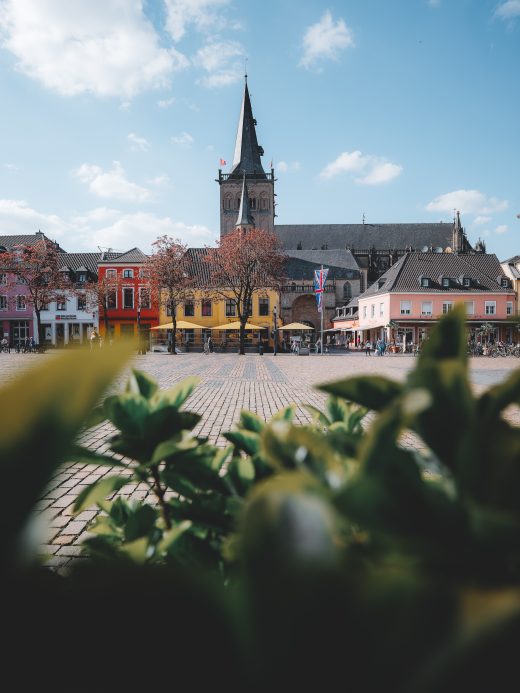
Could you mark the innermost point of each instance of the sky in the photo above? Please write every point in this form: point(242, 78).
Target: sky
point(114, 114)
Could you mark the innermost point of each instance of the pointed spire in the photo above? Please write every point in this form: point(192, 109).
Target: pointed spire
point(247, 151)
point(244, 219)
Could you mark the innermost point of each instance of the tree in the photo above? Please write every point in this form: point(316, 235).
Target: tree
point(102, 295)
point(170, 279)
point(245, 262)
point(38, 268)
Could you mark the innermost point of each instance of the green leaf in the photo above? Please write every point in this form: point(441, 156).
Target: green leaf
point(247, 441)
point(317, 415)
point(286, 414)
point(171, 536)
point(176, 396)
point(128, 412)
point(137, 551)
point(140, 522)
point(448, 339)
point(141, 383)
point(251, 422)
point(98, 491)
point(498, 397)
point(374, 392)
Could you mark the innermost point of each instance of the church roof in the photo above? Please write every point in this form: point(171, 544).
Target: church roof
point(244, 213)
point(405, 276)
point(364, 236)
point(301, 264)
point(247, 151)
point(337, 258)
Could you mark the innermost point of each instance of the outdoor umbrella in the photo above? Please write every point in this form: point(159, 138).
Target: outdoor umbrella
point(181, 325)
point(236, 326)
point(296, 326)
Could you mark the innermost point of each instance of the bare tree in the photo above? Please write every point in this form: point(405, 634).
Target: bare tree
point(171, 281)
point(38, 268)
point(244, 263)
point(102, 295)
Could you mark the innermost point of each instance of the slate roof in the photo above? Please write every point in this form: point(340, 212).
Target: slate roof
point(198, 267)
point(244, 213)
point(77, 261)
point(512, 260)
point(9, 242)
point(364, 236)
point(405, 276)
point(247, 154)
point(133, 255)
point(302, 263)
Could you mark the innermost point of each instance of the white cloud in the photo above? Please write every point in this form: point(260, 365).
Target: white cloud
point(467, 202)
point(204, 15)
point(285, 167)
point(373, 170)
point(478, 221)
point(164, 103)
point(138, 143)
point(503, 228)
point(508, 10)
point(325, 40)
point(103, 47)
point(183, 139)
point(160, 181)
point(101, 226)
point(111, 184)
point(222, 61)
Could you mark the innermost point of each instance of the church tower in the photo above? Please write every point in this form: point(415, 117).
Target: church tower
point(247, 174)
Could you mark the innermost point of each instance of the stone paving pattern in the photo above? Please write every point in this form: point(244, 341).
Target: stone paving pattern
point(229, 383)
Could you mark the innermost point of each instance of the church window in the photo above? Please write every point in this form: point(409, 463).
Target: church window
point(227, 202)
point(347, 291)
point(252, 202)
point(264, 203)
point(361, 282)
point(237, 203)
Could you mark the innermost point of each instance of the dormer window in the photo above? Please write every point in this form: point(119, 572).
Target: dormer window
point(82, 277)
point(445, 282)
point(380, 283)
point(504, 283)
point(425, 282)
point(466, 281)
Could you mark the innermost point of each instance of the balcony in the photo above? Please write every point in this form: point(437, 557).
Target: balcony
point(304, 289)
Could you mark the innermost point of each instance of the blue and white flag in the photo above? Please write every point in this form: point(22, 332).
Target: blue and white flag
point(320, 277)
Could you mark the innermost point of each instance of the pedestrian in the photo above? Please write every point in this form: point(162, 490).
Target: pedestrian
point(210, 345)
point(318, 345)
point(368, 347)
point(93, 339)
point(378, 347)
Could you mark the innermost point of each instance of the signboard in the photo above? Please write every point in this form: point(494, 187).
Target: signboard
point(65, 317)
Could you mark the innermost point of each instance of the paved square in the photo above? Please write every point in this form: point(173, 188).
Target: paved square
point(229, 383)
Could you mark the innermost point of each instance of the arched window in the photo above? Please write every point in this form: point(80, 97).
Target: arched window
point(252, 202)
point(347, 291)
point(227, 202)
point(237, 203)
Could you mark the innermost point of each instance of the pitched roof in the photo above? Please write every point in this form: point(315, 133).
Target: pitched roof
point(513, 260)
point(484, 271)
point(244, 213)
point(80, 261)
point(199, 268)
point(247, 151)
point(302, 263)
point(10, 242)
point(365, 236)
point(133, 255)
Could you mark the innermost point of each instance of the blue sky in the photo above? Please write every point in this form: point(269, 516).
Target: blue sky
point(115, 114)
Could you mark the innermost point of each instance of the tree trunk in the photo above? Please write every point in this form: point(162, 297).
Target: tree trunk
point(105, 318)
point(38, 328)
point(174, 333)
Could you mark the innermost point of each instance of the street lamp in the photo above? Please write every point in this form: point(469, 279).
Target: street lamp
point(275, 332)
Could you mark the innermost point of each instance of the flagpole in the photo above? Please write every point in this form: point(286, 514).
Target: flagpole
point(322, 305)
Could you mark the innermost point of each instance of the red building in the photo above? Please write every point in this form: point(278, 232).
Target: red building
point(125, 301)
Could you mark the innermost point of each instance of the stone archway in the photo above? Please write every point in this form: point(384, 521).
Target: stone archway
point(304, 310)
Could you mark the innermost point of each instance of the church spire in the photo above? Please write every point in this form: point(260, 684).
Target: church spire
point(245, 219)
point(247, 150)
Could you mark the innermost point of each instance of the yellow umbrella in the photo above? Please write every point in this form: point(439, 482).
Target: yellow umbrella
point(296, 326)
point(236, 326)
point(181, 325)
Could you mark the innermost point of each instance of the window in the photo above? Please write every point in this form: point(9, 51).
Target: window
point(470, 307)
point(21, 303)
point(61, 303)
point(128, 298)
point(206, 308)
point(264, 203)
point(252, 202)
point(263, 306)
point(111, 299)
point(426, 308)
point(504, 283)
point(128, 274)
point(3, 302)
point(466, 281)
point(425, 282)
point(3, 278)
point(381, 309)
point(509, 308)
point(490, 307)
point(446, 282)
point(447, 307)
point(21, 280)
point(364, 311)
point(144, 298)
point(189, 309)
point(82, 277)
point(44, 305)
point(372, 310)
point(231, 308)
point(406, 307)
point(111, 273)
point(347, 291)
point(227, 203)
point(82, 302)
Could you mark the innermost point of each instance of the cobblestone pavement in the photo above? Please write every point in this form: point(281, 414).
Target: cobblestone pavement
point(229, 383)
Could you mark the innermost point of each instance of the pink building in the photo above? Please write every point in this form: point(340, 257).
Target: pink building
point(409, 298)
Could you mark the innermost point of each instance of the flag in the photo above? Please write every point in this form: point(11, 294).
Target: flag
point(271, 164)
point(223, 162)
point(320, 277)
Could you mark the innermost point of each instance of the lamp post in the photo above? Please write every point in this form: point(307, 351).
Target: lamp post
point(275, 332)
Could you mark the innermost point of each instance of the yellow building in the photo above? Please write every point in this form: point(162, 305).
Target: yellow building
point(210, 311)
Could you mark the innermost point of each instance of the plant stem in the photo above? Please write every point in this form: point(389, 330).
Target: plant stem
point(159, 492)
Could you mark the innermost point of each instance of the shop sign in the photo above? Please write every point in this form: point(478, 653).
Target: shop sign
point(65, 317)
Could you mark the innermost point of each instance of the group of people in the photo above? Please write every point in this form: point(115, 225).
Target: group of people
point(378, 347)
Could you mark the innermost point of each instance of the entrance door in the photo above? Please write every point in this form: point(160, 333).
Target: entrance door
point(60, 334)
point(20, 332)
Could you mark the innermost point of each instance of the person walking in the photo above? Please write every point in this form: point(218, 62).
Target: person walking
point(93, 339)
point(210, 345)
point(368, 347)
